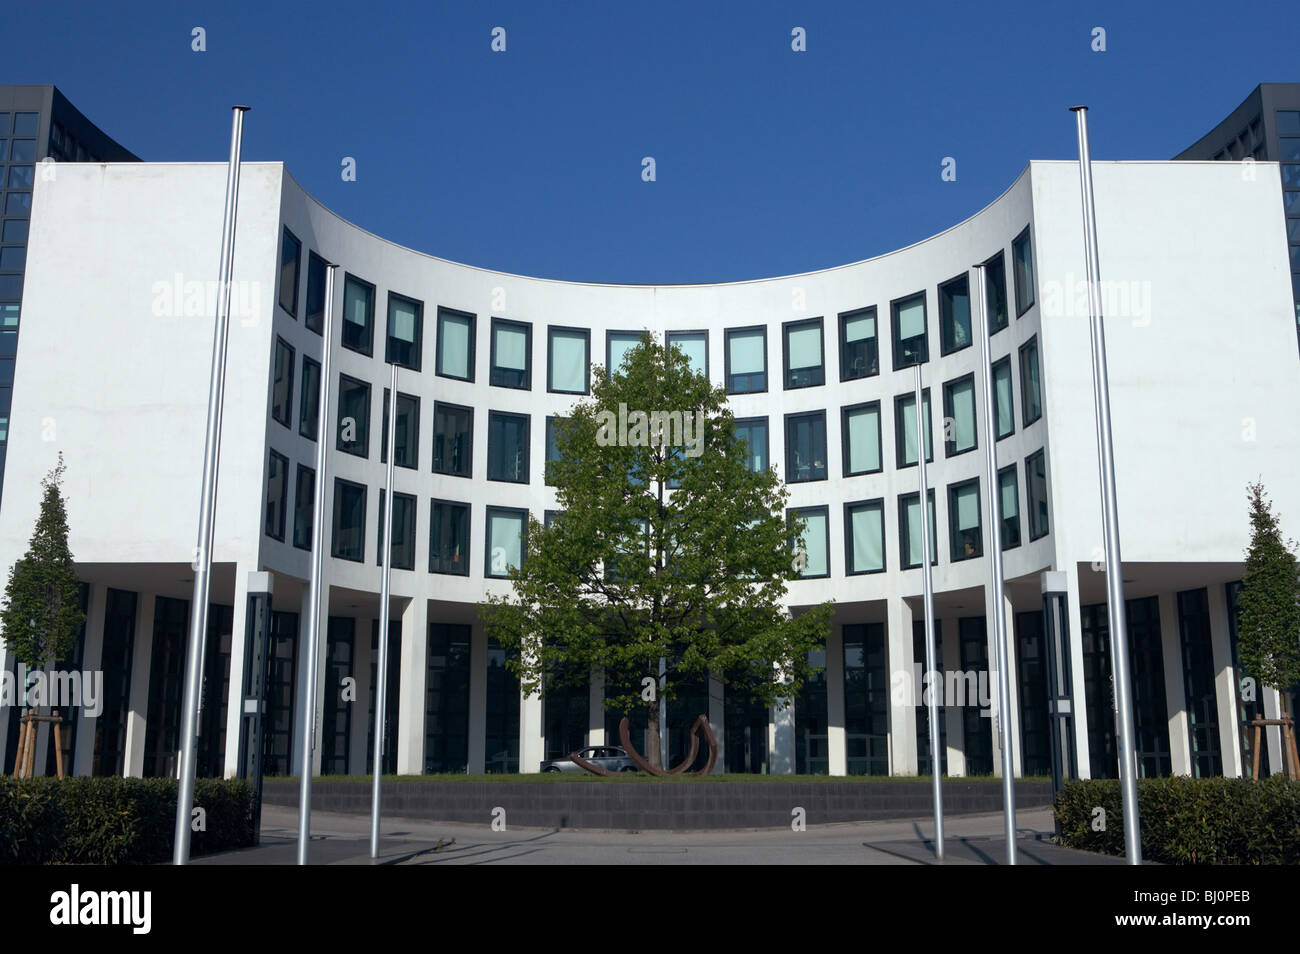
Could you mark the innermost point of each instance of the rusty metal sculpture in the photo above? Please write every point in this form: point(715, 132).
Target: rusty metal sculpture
point(701, 723)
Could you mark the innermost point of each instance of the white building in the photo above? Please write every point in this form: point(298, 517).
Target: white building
point(116, 350)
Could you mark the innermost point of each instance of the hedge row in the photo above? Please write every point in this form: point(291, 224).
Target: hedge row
point(115, 821)
point(1223, 821)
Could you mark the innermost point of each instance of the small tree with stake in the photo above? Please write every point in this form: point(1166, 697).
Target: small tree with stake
point(40, 614)
point(1268, 620)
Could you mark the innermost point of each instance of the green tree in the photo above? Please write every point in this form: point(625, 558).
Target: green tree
point(41, 612)
point(668, 545)
point(1268, 620)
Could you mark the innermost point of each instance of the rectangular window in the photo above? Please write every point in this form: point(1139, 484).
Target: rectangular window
point(1022, 263)
point(349, 537)
point(309, 402)
point(354, 417)
point(512, 351)
point(403, 552)
point(967, 536)
point(453, 439)
point(815, 542)
point(282, 387)
point(1036, 490)
point(753, 431)
point(995, 294)
point(859, 347)
point(405, 331)
point(358, 315)
point(455, 357)
point(314, 314)
point(277, 495)
point(568, 360)
point(552, 449)
point(954, 315)
point(746, 360)
point(617, 346)
point(506, 529)
point(693, 344)
point(406, 442)
point(959, 416)
point(860, 439)
point(1009, 507)
point(290, 256)
point(905, 428)
point(449, 538)
point(1031, 395)
point(805, 447)
point(805, 364)
point(911, 344)
point(864, 537)
point(304, 504)
point(909, 530)
point(508, 447)
point(1004, 408)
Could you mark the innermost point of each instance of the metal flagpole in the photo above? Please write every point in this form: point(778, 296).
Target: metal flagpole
point(995, 566)
point(927, 582)
point(307, 727)
point(208, 500)
point(1109, 506)
point(381, 694)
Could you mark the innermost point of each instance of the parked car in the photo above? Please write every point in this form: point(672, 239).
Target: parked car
point(609, 757)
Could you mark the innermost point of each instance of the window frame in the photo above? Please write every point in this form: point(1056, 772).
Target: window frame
point(846, 446)
point(903, 539)
point(434, 503)
point(987, 265)
point(413, 431)
point(290, 363)
point(948, 415)
point(1040, 454)
point(1025, 419)
point(413, 503)
point(339, 484)
point(550, 433)
point(947, 347)
point(527, 441)
point(610, 335)
point(495, 381)
point(417, 346)
point(487, 538)
point(550, 358)
point(900, 443)
point(469, 450)
point(1002, 519)
point(844, 318)
point(315, 321)
point(369, 349)
point(302, 398)
point(767, 437)
point(849, 507)
point(471, 343)
point(297, 271)
point(668, 343)
point(272, 457)
point(793, 419)
point(824, 510)
point(993, 380)
point(297, 505)
point(726, 356)
point(786, 371)
point(894, 306)
point(1022, 306)
point(952, 521)
point(364, 453)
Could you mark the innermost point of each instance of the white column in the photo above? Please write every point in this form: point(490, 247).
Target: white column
point(781, 739)
point(239, 645)
point(413, 676)
point(360, 725)
point(1079, 697)
point(953, 715)
point(718, 719)
point(1225, 682)
point(836, 743)
point(478, 700)
point(1273, 733)
point(1180, 750)
point(532, 739)
point(83, 759)
point(902, 707)
point(596, 708)
point(141, 661)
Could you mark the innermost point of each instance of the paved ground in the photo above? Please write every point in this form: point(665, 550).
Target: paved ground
point(344, 839)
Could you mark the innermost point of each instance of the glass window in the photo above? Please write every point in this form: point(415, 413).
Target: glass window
point(290, 255)
point(13, 258)
point(1036, 487)
point(693, 344)
point(349, 521)
point(22, 150)
point(1289, 148)
point(864, 537)
point(403, 552)
point(568, 368)
point(804, 360)
point(304, 507)
point(508, 447)
point(552, 448)
point(20, 203)
point(746, 360)
point(1030, 392)
point(815, 543)
point(753, 431)
point(406, 442)
point(277, 495)
point(805, 447)
point(905, 428)
point(859, 348)
point(309, 403)
point(9, 312)
point(1292, 200)
point(1288, 122)
point(21, 177)
point(282, 387)
point(453, 439)
point(861, 439)
point(511, 357)
point(959, 416)
point(449, 538)
point(506, 528)
point(354, 416)
point(1022, 261)
point(4, 124)
point(455, 344)
point(1004, 408)
point(405, 331)
point(964, 520)
point(909, 530)
point(15, 230)
point(617, 345)
point(4, 149)
point(1290, 180)
point(358, 315)
point(25, 124)
point(314, 313)
point(910, 340)
point(1009, 507)
point(954, 315)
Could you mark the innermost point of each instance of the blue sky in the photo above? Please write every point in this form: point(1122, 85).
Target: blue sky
point(768, 161)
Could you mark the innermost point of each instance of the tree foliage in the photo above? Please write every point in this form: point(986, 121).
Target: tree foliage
point(663, 548)
point(1268, 620)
